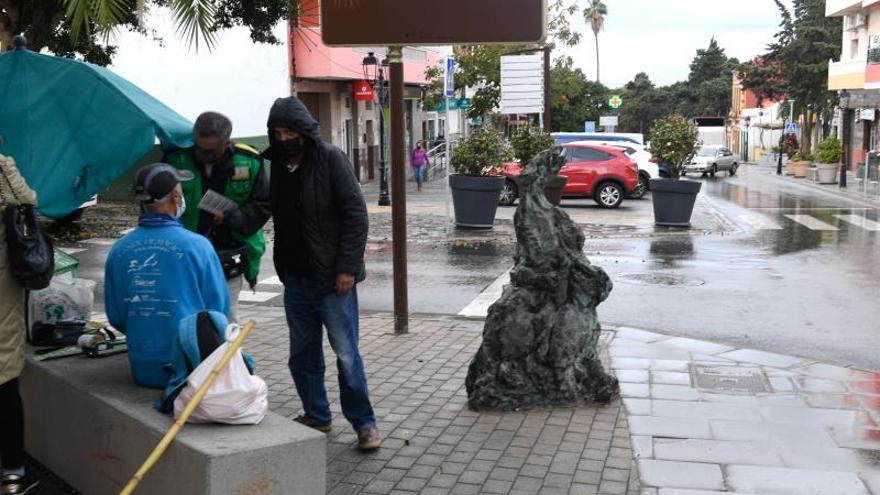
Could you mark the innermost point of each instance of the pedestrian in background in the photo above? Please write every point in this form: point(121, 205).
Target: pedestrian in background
point(235, 172)
point(419, 164)
point(321, 222)
point(16, 480)
point(159, 274)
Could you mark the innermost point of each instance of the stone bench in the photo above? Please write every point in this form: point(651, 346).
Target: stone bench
point(88, 423)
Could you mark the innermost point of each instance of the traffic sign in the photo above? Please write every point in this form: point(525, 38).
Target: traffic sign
point(449, 78)
point(791, 128)
point(615, 101)
point(608, 120)
point(590, 126)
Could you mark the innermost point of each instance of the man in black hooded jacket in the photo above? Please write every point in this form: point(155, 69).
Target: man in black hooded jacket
point(320, 237)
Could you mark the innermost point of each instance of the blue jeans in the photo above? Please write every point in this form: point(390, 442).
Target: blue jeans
point(307, 311)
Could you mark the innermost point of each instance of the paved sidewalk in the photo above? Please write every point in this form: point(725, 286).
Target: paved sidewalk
point(434, 443)
point(701, 416)
point(854, 190)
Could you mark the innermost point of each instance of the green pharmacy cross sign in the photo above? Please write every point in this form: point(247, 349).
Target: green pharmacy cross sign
point(615, 102)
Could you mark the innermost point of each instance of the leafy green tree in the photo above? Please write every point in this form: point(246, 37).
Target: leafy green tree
point(640, 104)
point(527, 141)
point(796, 63)
point(574, 98)
point(80, 28)
point(595, 15)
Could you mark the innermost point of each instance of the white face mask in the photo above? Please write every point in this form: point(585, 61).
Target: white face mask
point(182, 208)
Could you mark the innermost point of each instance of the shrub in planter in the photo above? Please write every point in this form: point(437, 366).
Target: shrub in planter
point(674, 141)
point(801, 162)
point(526, 142)
point(828, 159)
point(476, 183)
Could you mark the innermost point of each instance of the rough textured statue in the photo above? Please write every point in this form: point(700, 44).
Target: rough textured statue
point(540, 341)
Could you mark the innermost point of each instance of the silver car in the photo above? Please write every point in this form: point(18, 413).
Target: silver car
point(710, 160)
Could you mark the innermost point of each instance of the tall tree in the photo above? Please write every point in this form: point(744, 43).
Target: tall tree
point(81, 28)
point(796, 63)
point(595, 14)
point(575, 99)
point(640, 105)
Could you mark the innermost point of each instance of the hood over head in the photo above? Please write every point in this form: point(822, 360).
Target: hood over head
point(292, 113)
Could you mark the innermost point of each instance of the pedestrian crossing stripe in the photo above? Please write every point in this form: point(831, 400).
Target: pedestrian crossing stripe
point(760, 222)
point(479, 307)
point(860, 222)
point(271, 281)
point(811, 222)
point(258, 297)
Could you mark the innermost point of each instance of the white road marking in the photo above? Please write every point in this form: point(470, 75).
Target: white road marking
point(860, 222)
point(479, 307)
point(71, 251)
point(760, 222)
point(260, 297)
point(127, 231)
point(811, 222)
point(271, 281)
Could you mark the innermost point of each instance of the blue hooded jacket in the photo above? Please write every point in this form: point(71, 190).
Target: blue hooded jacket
point(154, 277)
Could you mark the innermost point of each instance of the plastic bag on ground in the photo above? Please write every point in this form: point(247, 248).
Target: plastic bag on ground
point(236, 397)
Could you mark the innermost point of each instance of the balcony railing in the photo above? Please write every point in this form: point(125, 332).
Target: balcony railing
point(874, 55)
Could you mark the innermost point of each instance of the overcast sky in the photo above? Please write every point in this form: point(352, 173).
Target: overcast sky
point(661, 38)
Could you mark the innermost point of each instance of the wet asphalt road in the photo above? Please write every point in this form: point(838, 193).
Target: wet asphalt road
point(771, 281)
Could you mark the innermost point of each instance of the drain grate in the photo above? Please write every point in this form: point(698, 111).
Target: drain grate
point(660, 279)
point(730, 379)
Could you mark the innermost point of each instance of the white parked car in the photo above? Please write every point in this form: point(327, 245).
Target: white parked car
point(638, 153)
point(710, 160)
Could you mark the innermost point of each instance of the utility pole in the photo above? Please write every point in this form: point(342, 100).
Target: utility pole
point(398, 192)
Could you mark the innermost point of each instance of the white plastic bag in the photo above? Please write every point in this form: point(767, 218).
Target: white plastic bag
point(66, 299)
point(236, 397)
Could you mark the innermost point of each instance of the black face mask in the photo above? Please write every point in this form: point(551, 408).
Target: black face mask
point(204, 157)
point(290, 148)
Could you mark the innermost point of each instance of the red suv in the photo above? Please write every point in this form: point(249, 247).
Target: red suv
point(603, 173)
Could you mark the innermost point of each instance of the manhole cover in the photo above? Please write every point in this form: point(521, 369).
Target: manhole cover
point(660, 279)
point(730, 379)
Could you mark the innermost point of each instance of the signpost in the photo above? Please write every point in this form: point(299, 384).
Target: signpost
point(522, 85)
point(791, 128)
point(590, 126)
point(609, 122)
point(448, 92)
point(450, 22)
point(398, 23)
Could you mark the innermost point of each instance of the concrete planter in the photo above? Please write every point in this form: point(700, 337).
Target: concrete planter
point(800, 169)
point(475, 199)
point(789, 167)
point(827, 173)
point(674, 201)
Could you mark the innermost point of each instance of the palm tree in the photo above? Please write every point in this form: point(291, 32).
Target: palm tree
point(194, 18)
point(595, 14)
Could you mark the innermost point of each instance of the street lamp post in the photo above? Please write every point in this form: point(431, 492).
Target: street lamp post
point(374, 74)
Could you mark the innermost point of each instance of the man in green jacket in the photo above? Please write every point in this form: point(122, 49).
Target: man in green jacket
point(228, 198)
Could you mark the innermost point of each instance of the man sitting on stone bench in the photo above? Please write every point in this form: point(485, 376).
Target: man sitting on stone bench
point(159, 274)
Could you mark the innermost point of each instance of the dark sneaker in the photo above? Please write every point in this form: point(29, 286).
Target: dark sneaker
point(14, 484)
point(314, 423)
point(369, 438)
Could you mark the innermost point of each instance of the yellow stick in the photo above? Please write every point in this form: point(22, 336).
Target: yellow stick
point(175, 429)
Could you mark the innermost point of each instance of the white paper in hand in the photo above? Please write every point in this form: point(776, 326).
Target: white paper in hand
point(216, 203)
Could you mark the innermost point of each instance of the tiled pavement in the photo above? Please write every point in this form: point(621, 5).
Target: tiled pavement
point(710, 417)
point(704, 419)
point(434, 443)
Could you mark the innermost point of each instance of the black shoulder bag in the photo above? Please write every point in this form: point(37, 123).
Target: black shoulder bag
point(28, 248)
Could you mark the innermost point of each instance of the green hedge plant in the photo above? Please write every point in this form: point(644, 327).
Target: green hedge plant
point(830, 151)
point(482, 153)
point(674, 142)
point(527, 141)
